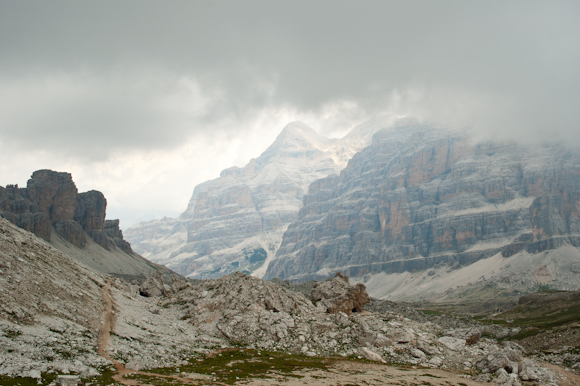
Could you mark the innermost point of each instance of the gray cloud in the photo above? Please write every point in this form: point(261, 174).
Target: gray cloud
point(93, 77)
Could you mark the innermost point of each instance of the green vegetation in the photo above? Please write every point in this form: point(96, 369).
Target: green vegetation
point(106, 378)
point(431, 312)
point(7, 381)
point(227, 366)
point(232, 365)
point(544, 314)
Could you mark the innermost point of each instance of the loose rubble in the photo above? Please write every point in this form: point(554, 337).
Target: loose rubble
point(48, 297)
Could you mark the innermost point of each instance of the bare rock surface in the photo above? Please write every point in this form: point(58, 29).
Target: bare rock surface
point(236, 222)
point(337, 295)
point(50, 308)
point(154, 286)
point(51, 312)
point(422, 202)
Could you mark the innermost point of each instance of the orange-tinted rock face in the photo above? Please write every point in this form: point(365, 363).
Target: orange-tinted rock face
point(393, 217)
point(420, 196)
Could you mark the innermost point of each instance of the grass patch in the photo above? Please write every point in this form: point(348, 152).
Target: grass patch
point(237, 364)
point(432, 312)
point(19, 381)
point(543, 316)
point(106, 377)
point(526, 334)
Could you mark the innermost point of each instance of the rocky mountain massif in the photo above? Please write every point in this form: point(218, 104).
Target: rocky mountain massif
point(58, 316)
point(51, 208)
point(236, 222)
point(422, 203)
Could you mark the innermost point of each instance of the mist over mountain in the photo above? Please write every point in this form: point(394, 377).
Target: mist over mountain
point(236, 222)
point(412, 214)
point(414, 210)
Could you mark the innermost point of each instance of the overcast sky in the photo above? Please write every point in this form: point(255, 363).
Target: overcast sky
point(143, 100)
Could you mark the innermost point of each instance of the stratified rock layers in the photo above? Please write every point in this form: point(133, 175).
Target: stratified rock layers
point(235, 222)
point(51, 201)
point(420, 196)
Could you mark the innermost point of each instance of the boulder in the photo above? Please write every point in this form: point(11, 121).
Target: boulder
point(436, 361)
point(531, 372)
point(504, 379)
point(454, 344)
point(416, 353)
point(508, 358)
point(67, 380)
point(337, 295)
point(371, 355)
point(401, 335)
point(154, 286)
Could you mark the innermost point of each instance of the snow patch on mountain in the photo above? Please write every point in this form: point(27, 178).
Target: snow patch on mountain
point(236, 222)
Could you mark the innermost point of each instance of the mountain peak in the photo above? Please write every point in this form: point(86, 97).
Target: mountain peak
point(297, 128)
point(296, 138)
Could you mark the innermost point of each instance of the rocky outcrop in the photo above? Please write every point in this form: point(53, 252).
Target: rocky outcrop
point(154, 286)
point(54, 194)
point(337, 295)
point(16, 207)
point(51, 202)
point(421, 197)
point(50, 199)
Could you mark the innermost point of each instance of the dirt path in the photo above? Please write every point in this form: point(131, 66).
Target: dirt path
point(103, 342)
point(105, 331)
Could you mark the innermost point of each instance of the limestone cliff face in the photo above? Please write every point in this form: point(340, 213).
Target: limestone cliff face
point(54, 193)
point(51, 201)
point(90, 214)
point(235, 222)
point(420, 196)
point(52, 209)
point(114, 236)
point(16, 207)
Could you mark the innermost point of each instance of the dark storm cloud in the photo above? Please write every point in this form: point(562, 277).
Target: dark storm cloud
point(496, 65)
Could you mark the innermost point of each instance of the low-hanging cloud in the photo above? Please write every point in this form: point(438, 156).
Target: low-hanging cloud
point(88, 81)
